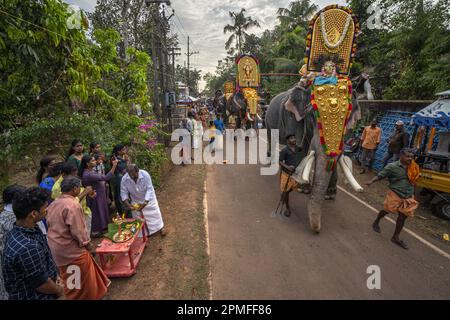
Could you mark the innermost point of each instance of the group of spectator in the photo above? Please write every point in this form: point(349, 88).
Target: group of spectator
point(371, 138)
point(46, 230)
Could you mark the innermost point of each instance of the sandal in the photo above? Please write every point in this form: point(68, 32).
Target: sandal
point(400, 243)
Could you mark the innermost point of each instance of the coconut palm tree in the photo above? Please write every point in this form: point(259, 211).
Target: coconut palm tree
point(241, 24)
point(298, 14)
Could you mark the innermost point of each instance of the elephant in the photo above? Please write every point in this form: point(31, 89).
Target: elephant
point(234, 104)
point(292, 113)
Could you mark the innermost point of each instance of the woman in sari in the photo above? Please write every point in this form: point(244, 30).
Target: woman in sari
point(75, 153)
point(99, 204)
point(45, 164)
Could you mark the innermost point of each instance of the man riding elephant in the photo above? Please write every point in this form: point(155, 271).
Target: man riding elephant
point(318, 109)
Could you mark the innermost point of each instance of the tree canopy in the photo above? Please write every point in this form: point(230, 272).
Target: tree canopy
point(58, 84)
point(407, 56)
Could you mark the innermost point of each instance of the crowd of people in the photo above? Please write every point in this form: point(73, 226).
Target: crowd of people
point(371, 138)
point(201, 118)
point(46, 231)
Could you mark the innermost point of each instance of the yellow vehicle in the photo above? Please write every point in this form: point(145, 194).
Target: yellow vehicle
point(435, 164)
point(435, 178)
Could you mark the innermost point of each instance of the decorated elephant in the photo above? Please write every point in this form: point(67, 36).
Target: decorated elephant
point(320, 108)
point(232, 104)
point(291, 112)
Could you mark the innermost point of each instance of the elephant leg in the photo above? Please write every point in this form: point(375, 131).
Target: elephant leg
point(269, 145)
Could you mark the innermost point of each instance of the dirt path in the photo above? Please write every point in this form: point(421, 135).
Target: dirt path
point(176, 266)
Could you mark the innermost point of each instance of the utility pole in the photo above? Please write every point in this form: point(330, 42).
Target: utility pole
point(158, 57)
point(125, 27)
point(189, 54)
point(156, 102)
point(172, 53)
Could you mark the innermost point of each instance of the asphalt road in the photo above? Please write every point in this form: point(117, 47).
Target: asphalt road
point(257, 256)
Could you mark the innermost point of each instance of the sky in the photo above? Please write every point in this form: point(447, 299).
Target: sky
point(203, 21)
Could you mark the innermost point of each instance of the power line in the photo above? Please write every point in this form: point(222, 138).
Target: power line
point(185, 36)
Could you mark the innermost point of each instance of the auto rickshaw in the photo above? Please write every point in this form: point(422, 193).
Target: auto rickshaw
point(433, 123)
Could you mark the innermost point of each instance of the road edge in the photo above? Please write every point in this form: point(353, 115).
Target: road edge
point(208, 252)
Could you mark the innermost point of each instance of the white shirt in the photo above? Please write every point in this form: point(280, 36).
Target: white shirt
point(190, 125)
point(140, 191)
point(9, 209)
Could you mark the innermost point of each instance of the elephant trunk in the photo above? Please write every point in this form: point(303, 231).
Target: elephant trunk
point(320, 184)
point(319, 189)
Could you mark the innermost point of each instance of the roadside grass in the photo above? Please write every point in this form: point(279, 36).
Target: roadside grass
point(189, 262)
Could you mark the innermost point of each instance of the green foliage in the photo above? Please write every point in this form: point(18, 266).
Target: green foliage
point(238, 29)
point(192, 81)
point(57, 85)
point(280, 50)
point(409, 57)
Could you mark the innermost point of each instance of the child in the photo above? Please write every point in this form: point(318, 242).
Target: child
point(212, 135)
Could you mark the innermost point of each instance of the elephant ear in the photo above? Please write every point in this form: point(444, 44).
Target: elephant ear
point(300, 99)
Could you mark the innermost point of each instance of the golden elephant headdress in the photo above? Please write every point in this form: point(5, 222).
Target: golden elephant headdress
point(331, 37)
point(248, 80)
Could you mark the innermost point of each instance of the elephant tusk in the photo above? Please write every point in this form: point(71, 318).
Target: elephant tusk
point(259, 118)
point(309, 161)
point(348, 162)
point(349, 176)
point(249, 117)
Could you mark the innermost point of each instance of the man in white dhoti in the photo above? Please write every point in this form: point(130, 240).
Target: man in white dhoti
point(137, 185)
point(198, 132)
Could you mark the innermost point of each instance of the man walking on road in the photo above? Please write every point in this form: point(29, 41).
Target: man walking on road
point(398, 141)
point(290, 158)
point(370, 140)
point(402, 175)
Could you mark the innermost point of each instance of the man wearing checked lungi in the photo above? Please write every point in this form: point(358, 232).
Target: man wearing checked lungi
point(402, 175)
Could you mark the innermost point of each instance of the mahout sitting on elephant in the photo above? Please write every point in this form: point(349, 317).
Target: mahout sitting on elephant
point(320, 108)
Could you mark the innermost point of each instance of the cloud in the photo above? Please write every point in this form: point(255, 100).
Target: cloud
point(203, 21)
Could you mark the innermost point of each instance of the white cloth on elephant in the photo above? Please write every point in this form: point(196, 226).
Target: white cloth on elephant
point(139, 192)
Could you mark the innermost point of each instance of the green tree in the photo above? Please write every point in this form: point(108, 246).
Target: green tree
point(238, 29)
point(192, 82)
point(57, 84)
point(408, 57)
point(298, 14)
